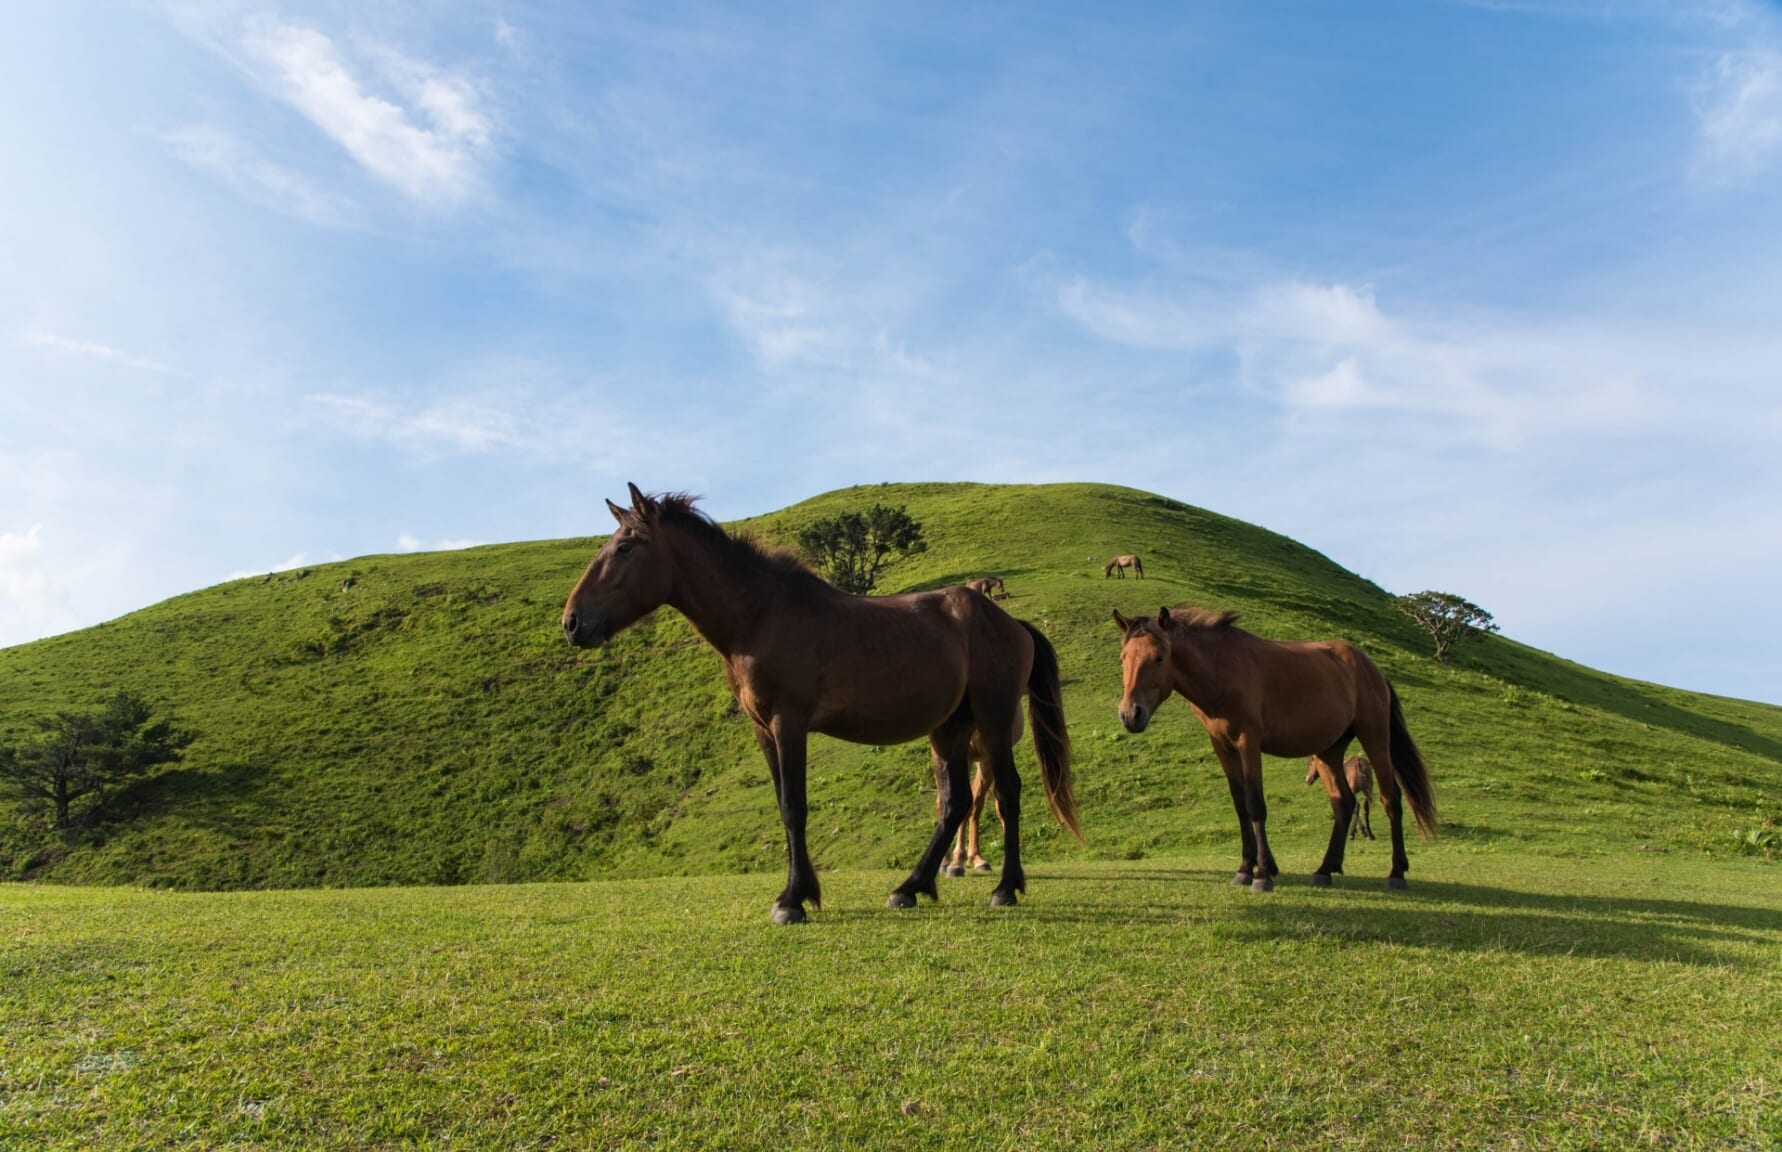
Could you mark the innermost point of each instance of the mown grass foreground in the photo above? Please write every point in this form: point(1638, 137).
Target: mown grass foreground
point(1502, 1002)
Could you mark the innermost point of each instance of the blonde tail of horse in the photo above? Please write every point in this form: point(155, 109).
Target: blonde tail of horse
point(1051, 739)
point(1413, 775)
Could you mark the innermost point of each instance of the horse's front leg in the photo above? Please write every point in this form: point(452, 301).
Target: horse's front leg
point(801, 878)
point(954, 788)
point(1234, 779)
point(1266, 869)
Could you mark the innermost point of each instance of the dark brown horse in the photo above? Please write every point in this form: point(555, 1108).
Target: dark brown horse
point(802, 657)
point(965, 851)
point(1359, 772)
point(1256, 696)
point(1120, 564)
point(990, 586)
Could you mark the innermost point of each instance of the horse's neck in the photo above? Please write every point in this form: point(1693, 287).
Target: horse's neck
point(723, 601)
point(1196, 653)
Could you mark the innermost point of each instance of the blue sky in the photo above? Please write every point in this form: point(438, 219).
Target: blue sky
point(1482, 297)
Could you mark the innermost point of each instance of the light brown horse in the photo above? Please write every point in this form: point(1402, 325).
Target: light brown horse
point(1359, 772)
point(990, 586)
point(1256, 696)
point(965, 852)
point(802, 656)
point(1121, 563)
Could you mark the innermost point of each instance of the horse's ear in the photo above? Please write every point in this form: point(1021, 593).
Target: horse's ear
point(640, 503)
point(619, 513)
point(1123, 622)
point(1163, 618)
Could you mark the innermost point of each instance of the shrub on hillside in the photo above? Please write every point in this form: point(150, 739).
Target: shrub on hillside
point(76, 759)
point(853, 549)
point(1447, 618)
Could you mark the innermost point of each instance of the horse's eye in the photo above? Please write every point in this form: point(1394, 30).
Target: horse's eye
point(1157, 659)
point(624, 547)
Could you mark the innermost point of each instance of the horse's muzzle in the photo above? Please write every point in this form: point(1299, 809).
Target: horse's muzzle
point(1135, 719)
point(583, 633)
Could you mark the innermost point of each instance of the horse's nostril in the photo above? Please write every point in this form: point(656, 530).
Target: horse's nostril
point(569, 623)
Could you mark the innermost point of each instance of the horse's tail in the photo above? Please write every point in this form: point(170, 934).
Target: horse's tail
point(1408, 766)
point(1051, 739)
point(1138, 566)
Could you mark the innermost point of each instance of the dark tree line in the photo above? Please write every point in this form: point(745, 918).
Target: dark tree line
point(76, 760)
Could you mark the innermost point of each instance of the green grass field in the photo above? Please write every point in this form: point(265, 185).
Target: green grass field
point(1590, 956)
point(1507, 1001)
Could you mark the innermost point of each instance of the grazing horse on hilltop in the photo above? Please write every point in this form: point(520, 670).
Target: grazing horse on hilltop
point(965, 852)
point(990, 586)
point(1359, 772)
point(1121, 563)
point(801, 656)
point(1256, 696)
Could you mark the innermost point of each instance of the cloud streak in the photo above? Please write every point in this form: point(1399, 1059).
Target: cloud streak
point(212, 149)
point(93, 350)
point(430, 146)
point(1739, 112)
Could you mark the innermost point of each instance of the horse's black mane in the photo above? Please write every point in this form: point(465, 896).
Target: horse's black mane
point(682, 510)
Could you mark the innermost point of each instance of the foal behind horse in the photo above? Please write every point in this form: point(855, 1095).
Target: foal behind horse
point(1360, 775)
point(1257, 696)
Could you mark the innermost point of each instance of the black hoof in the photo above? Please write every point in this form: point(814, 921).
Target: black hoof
point(788, 914)
point(1241, 880)
point(1262, 884)
point(955, 870)
point(982, 866)
point(1001, 899)
point(1395, 882)
point(1320, 879)
point(900, 900)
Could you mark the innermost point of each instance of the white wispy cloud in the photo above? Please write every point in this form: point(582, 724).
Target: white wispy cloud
point(1739, 112)
point(290, 564)
point(215, 150)
point(94, 350)
point(426, 135)
point(408, 542)
point(453, 425)
point(1330, 347)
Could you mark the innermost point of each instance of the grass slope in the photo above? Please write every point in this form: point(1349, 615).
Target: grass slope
point(418, 719)
point(1504, 1002)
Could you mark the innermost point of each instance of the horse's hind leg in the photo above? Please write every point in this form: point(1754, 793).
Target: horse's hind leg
point(982, 782)
point(951, 746)
point(1374, 732)
point(953, 860)
point(1008, 807)
point(1342, 808)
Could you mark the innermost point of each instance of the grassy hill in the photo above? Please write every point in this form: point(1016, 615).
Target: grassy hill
point(418, 719)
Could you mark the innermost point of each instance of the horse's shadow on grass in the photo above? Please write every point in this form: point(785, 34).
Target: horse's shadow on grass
point(1429, 914)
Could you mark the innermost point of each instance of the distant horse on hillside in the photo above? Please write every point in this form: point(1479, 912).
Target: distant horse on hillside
point(965, 853)
point(1256, 696)
point(990, 586)
point(801, 656)
point(1359, 772)
point(1121, 563)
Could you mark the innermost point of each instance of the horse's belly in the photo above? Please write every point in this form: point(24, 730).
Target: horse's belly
point(893, 716)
